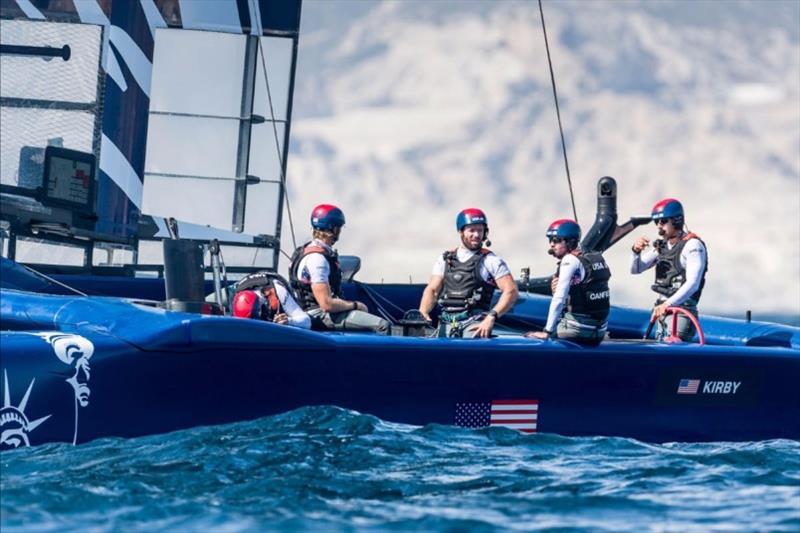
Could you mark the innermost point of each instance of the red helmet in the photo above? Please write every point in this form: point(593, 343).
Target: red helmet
point(248, 304)
point(667, 208)
point(326, 217)
point(471, 215)
point(564, 228)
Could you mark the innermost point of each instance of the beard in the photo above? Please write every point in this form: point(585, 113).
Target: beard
point(469, 246)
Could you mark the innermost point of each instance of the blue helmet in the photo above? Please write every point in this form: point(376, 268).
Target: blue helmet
point(326, 217)
point(667, 208)
point(564, 228)
point(471, 215)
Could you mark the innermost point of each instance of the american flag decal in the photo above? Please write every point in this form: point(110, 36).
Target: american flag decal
point(688, 386)
point(522, 415)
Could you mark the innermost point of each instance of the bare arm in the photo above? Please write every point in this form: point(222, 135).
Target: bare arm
point(506, 301)
point(430, 295)
point(509, 296)
point(331, 304)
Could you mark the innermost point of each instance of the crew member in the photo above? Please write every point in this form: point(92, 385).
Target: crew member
point(681, 263)
point(316, 277)
point(580, 305)
point(464, 279)
point(266, 296)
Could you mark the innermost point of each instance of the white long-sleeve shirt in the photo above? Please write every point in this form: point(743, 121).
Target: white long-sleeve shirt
point(693, 260)
point(570, 272)
point(297, 317)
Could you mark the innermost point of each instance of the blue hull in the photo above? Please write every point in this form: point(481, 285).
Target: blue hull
point(113, 368)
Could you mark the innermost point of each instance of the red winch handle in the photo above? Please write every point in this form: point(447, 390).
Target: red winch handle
point(675, 311)
point(681, 311)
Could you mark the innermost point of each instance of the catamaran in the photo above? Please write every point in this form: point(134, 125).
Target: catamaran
point(110, 326)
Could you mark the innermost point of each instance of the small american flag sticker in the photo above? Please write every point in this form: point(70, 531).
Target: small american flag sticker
point(522, 415)
point(688, 386)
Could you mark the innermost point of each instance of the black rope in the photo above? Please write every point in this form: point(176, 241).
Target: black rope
point(277, 142)
point(558, 112)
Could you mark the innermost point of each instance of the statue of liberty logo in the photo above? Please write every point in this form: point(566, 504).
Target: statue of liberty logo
point(14, 424)
point(72, 350)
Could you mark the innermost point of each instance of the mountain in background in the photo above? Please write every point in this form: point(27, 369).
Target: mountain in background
point(407, 112)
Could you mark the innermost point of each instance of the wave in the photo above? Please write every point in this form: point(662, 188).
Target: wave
point(329, 468)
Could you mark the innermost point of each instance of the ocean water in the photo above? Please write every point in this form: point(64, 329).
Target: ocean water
point(324, 468)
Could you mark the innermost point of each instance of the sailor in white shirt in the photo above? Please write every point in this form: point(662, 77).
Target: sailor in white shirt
point(681, 262)
point(581, 297)
point(316, 277)
point(463, 281)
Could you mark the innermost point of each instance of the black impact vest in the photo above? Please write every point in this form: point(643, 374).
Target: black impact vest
point(591, 297)
point(305, 297)
point(670, 275)
point(464, 288)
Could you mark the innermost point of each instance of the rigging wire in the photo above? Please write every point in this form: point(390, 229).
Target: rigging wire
point(375, 295)
point(275, 133)
point(52, 280)
point(382, 310)
point(558, 112)
point(287, 256)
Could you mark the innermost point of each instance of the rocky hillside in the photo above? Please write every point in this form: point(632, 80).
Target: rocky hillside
point(406, 112)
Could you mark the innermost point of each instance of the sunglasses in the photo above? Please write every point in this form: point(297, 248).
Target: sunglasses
point(661, 221)
point(556, 240)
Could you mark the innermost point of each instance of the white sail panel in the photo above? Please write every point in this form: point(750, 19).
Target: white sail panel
point(196, 75)
point(278, 60)
point(262, 208)
point(265, 151)
point(202, 143)
point(190, 199)
point(197, 72)
point(191, 146)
